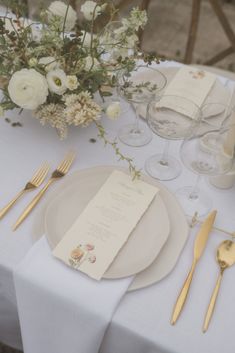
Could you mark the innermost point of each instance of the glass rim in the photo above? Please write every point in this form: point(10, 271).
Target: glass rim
point(121, 73)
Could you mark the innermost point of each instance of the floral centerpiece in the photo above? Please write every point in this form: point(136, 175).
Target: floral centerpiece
point(59, 66)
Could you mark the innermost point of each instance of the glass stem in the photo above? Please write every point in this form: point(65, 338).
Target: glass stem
point(194, 194)
point(136, 128)
point(164, 159)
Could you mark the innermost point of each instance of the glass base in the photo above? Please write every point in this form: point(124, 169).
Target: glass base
point(194, 201)
point(158, 169)
point(136, 138)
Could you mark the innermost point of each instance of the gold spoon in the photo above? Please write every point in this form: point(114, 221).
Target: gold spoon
point(225, 257)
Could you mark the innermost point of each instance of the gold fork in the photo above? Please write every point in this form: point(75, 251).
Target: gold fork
point(35, 182)
point(58, 173)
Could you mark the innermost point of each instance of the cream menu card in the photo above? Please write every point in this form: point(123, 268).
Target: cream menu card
point(93, 241)
point(190, 83)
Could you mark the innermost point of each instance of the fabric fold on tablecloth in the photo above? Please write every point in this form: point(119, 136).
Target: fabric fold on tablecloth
point(60, 309)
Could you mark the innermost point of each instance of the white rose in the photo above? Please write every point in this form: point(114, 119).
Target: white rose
point(56, 80)
point(71, 82)
point(49, 63)
point(113, 110)
point(28, 89)
point(91, 64)
point(59, 8)
point(90, 9)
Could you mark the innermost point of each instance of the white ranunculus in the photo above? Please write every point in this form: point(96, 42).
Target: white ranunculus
point(28, 89)
point(91, 64)
point(71, 82)
point(56, 80)
point(90, 9)
point(59, 8)
point(113, 110)
point(49, 62)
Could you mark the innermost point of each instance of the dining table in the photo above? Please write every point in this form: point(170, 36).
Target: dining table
point(140, 322)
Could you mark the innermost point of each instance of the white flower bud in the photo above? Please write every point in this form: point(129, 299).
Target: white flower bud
point(71, 82)
point(33, 62)
point(113, 110)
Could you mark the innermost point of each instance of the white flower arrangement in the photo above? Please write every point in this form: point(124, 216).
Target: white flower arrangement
point(55, 68)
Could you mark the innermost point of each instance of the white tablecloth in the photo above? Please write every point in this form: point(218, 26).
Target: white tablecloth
point(141, 322)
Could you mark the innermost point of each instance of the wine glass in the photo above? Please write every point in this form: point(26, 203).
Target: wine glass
point(138, 88)
point(207, 152)
point(170, 117)
point(115, 42)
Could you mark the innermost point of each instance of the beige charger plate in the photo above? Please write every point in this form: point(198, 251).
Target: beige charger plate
point(144, 243)
point(166, 260)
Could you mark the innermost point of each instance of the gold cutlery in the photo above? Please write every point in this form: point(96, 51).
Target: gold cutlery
point(199, 246)
point(35, 182)
point(225, 257)
point(195, 221)
point(58, 173)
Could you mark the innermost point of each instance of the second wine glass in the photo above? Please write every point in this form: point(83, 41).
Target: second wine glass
point(138, 88)
point(209, 152)
point(172, 118)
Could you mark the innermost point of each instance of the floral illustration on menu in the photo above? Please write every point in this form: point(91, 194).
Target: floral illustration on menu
point(82, 253)
point(198, 74)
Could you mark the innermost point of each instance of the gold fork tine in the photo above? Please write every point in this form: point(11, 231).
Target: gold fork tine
point(34, 182)
point(62, 165)
point(58, 173)
point(38, 178)
point(38, 172)
point(67, 164)
point(42, 176)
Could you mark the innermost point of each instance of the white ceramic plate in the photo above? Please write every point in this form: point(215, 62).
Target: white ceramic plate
point(218, 94)
point(144, 243)
point(169, 255)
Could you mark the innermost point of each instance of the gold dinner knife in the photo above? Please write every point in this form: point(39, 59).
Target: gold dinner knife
point(199, 246)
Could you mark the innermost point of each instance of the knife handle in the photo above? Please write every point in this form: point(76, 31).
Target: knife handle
point(211, 306)
point(183, 295)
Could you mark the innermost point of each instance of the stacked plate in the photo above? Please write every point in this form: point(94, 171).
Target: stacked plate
point(218, 94)
point(152, 249)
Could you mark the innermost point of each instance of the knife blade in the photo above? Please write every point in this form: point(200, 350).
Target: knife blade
point(199, 247)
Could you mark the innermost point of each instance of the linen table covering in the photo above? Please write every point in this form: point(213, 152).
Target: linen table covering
point(141, 322)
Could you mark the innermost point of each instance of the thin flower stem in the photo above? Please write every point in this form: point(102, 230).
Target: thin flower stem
point(102, 134)
point(65, 18)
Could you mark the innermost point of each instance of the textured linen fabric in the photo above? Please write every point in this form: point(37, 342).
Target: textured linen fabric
point(70, 312)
